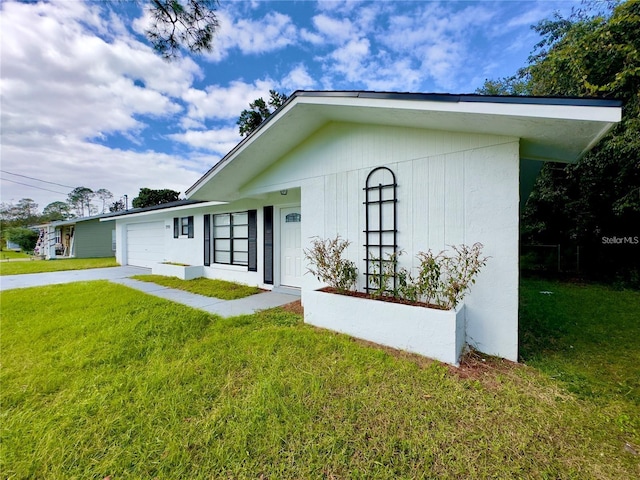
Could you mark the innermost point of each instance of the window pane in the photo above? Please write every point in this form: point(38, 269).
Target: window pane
point(240, 246)
point(224, 219)
point(241, 232)
point(240, 258)
point(241, 218)
point(222, 245)
point(222, 257)
point(222, 232)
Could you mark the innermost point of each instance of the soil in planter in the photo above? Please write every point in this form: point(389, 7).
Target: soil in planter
point(381, 299)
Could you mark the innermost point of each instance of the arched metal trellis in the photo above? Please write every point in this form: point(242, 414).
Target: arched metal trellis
point(381, 229)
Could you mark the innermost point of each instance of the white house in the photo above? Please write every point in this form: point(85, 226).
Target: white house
point(456, 162)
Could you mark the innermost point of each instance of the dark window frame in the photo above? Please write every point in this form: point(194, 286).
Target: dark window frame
point(232, 239)
point(183, 227)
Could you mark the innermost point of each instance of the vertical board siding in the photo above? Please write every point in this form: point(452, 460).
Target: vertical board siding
point(330, 205)
point(436, 199)
point(454, 199)
point(420, 187)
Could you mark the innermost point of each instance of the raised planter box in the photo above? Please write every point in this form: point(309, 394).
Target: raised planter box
point(183, 272)
point(438, 334)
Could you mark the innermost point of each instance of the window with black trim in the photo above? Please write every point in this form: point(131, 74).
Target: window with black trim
point(231, 238)
point(183, 227)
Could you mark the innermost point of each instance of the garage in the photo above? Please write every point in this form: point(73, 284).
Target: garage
point(145, 243)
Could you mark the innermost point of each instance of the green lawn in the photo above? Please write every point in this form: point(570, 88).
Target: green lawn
point(11, 255)
point(203, 286)
point(100, 380)
point(39, 266)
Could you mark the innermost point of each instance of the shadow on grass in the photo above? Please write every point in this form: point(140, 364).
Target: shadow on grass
point(586, 336)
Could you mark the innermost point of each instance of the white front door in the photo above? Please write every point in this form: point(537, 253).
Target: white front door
point(290, 247)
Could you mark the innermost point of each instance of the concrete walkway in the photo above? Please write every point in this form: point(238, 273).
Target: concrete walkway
point(8, 282)
point(120, 275)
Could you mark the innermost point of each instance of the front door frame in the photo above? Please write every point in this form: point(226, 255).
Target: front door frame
point(277, 241)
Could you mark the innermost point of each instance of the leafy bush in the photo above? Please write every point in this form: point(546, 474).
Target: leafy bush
point(442, 279)
point(24, 237)
point(328, 266)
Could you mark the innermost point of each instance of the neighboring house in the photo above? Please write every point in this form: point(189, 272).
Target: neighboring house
point(456, 162)
point(77, 238)
point(13, 246)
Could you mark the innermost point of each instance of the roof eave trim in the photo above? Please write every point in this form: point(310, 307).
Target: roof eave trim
point(163, 210)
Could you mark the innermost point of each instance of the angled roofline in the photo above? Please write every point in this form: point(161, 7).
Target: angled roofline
point(407, 96)
point(173, 206)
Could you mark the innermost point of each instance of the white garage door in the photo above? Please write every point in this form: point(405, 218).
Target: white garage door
point(145, 243)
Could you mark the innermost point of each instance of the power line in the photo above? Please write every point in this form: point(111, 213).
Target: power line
point(32, 186)
point(36, 179)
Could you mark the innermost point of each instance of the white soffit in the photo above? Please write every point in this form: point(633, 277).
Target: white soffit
point(559, 130)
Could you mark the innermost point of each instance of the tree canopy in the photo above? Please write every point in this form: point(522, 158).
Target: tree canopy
point(182, 24)
point(80, 199)
point(593, 56)
point(259, 110)
point(22, 214)
point(148, 197)
point(56, 211)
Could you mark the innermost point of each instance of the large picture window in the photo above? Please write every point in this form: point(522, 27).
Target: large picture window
point(231, 238)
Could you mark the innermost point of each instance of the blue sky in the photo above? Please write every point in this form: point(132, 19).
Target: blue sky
point(86, 102)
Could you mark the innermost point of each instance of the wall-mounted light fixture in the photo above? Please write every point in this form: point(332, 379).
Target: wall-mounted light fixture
point(284, 192)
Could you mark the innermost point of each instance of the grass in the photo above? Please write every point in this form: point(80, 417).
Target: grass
point(203, 286)
point(40, 266)
point(588, 338)
point(99, 380)
point(11, 255)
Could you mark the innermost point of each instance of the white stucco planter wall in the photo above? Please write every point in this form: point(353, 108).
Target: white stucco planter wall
point(438, 334)
point(183, 272)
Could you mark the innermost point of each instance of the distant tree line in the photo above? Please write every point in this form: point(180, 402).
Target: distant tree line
point(16, 218)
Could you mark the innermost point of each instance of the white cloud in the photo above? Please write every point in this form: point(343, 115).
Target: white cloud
point(60, 78)
point(334, 30)
point(298, 79)
point(273, 32)
point(220, 141)
point(217, 102)
point(69, 76)
point(70, 161)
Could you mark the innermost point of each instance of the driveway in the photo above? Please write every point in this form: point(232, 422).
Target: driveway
point(9, 282)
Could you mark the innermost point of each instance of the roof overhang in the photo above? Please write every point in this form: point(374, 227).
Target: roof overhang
point(549, 128)
point(160, 211)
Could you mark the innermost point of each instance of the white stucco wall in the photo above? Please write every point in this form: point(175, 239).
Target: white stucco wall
point(453, 188)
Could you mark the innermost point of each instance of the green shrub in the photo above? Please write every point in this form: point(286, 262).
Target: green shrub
point(328, 266)
point(24, 237)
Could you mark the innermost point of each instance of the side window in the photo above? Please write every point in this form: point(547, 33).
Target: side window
point(183, 227)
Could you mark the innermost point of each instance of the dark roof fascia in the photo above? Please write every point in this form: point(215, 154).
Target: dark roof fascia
point(429, 97)
point(467, 97)
point(72, 221)
point(162, 206)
